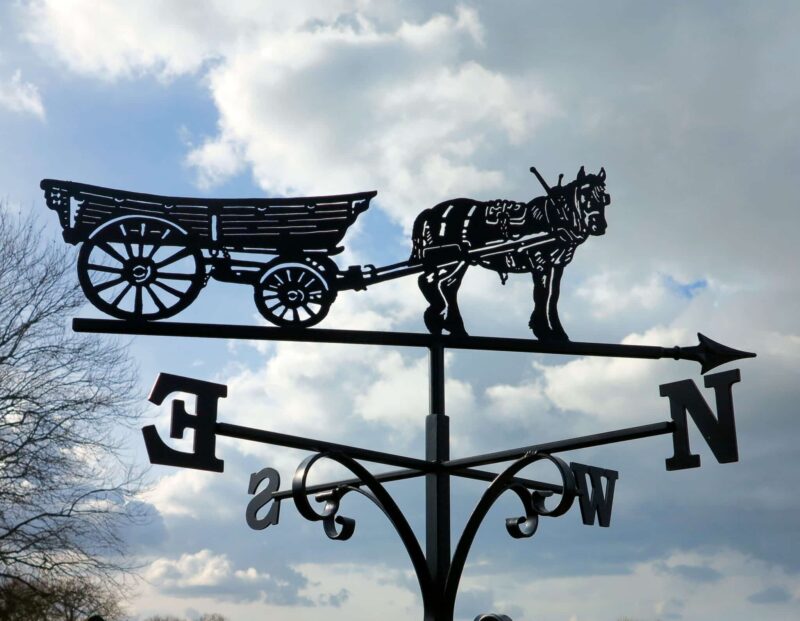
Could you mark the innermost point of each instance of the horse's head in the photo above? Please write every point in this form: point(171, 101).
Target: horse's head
point(579, 207)
point(590, 200)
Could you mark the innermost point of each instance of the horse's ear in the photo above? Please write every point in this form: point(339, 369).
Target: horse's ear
point(581, 174)
point(602, 174)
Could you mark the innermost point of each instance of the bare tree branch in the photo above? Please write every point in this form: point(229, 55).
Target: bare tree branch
point(65, 491)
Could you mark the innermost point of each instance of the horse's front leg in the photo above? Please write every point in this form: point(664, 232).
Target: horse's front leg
point(544, 321)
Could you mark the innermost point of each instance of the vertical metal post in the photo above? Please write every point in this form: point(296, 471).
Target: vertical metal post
point(437, 485)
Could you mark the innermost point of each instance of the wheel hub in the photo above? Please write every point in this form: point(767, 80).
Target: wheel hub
point(292, 298)
point(140, 272)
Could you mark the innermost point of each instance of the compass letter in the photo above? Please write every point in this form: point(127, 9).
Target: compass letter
point(203, 421)
point(262, 498)
point(718, 431)
point(593, 501)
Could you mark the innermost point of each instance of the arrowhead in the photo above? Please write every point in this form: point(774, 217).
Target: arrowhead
point(711, 354)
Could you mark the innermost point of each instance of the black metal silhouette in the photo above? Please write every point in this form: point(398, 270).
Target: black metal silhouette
point(438, 572)
point(708, 353)
point(147, 257)
point(538, 237)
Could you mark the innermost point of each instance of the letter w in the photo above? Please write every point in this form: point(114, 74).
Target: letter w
point(719, 432)
point(595, 502)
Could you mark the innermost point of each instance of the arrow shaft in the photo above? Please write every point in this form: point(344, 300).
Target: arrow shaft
point(369, 337)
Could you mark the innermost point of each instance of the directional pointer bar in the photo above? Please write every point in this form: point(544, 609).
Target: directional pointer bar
point(707, 352)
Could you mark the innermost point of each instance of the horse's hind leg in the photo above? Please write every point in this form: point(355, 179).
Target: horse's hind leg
point(449, 282)
point(440, 288)
point(434, 315)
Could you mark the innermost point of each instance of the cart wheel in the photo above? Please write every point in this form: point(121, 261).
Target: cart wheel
point(140, 268)
point(296, 293)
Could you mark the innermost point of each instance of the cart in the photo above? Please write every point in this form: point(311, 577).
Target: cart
point(145, 257)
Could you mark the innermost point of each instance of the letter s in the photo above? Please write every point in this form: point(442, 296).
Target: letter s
point(262, 498)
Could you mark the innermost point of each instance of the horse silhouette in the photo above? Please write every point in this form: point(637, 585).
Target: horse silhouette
point(452, 235)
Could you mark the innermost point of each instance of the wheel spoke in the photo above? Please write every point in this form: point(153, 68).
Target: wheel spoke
point(137, 304)
point(125, 241)
point(181, 254)
point(155, 298)
point(109, 250)
point(142, 235)
point(108, 284)
point(104, 268)
point(118, 299)
point(176, 292)
point(153, 249)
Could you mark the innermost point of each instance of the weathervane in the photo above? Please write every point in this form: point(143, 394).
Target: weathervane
point(145, 257)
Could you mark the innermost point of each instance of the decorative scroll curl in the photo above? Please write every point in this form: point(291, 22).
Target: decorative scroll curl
point(517, 527)
point(341, 528)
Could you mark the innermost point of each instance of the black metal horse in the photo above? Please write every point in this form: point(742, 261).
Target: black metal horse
point(457, 233)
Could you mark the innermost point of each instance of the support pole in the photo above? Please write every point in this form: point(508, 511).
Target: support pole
point(437, 485)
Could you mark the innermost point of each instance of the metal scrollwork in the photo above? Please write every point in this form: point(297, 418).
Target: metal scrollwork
point(336, 527)
point(523, 527)
point(342, 528)
point(517, 527)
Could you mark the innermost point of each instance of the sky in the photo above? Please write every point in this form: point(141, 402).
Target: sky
point(691, 107)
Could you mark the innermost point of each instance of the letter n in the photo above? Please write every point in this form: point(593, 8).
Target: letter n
point(595, 501)
point(718, 431)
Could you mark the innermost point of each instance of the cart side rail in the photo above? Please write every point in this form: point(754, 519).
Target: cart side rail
point(306, 223)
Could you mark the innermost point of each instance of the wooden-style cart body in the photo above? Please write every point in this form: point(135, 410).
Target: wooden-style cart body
point(145, 256)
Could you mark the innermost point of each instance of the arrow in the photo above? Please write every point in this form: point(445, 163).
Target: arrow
point(708, 353)
point(711, 354)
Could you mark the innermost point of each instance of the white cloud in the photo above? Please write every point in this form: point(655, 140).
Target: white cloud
point(20, 96)
point(651, 591)
point(389, 401)
point(180, 492)
point(617, 390)
point(609, 293)
point(203, 568)
point(413, 124)
point(215, 161)
point(119, 39)
point(354, 98)
point(205, 574)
